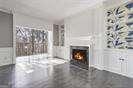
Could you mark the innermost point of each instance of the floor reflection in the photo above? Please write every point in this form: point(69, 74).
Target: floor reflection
point(57, 73)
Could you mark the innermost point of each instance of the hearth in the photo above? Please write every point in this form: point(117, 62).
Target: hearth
point(80, 56)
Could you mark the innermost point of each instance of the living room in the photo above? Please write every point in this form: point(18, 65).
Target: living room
point(66, 44)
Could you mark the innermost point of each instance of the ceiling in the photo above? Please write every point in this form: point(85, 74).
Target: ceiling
point(53, 10)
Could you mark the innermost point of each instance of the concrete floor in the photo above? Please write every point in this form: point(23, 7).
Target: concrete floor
point(56, 73)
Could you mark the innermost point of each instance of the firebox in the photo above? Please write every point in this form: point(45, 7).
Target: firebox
point(80, 56)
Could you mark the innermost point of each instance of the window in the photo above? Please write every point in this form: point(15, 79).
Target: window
point(30, 41)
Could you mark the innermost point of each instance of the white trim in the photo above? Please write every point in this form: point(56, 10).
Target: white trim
point(14, 41)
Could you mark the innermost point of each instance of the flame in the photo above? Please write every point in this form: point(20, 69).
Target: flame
point(78, 56)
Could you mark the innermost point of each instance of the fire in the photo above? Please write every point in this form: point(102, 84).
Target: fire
point(78, 56)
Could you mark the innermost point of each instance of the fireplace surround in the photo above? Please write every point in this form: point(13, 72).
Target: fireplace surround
point(79, 56)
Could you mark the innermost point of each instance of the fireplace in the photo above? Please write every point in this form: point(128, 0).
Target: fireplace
point(80, 56)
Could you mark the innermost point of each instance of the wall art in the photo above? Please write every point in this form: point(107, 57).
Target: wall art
point(119, 25)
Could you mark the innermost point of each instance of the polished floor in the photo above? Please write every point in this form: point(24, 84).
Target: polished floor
point(58, 75)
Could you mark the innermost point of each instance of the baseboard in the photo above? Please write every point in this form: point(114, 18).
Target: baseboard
point(96, 66)
point(119, 73)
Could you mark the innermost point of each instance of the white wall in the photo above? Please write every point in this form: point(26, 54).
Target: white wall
point(58, 51)
point(32, 22)
point(28, 21)
point(78, 29)
point(91, 24)
point(6, 56)
point(112, 3)
point(84, 29)
point(111, 60)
